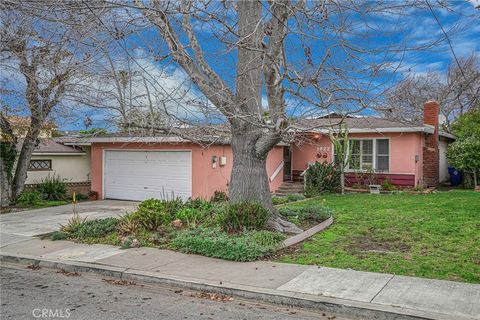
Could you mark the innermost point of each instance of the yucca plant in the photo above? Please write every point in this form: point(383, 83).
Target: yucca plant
point(75, 221)
point(52, 188)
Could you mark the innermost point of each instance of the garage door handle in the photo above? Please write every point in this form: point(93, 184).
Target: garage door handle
point(145, 187)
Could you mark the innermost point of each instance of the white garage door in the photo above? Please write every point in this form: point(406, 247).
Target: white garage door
point(140, 175)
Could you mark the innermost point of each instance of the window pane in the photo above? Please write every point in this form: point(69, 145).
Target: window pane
point(382, 163)
point(367, 162)
point(36, 165)
point(382, 147)
point(355, 145)
point(354, 162)
point(367, 147)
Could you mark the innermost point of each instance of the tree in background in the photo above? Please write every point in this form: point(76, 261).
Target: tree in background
point(457, 91)
point(45, 56)
point(464, 153)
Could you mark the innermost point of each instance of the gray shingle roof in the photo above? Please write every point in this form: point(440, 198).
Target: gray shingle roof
point(49, 146)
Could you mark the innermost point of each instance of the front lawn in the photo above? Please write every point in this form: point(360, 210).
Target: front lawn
point(433, 235)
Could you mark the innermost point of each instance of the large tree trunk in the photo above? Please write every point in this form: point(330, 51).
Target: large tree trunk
point(6, 184)
point(29, 144)
point(249, 180)
point(250, 142)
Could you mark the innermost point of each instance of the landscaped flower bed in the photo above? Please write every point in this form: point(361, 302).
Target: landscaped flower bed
point(215, 229)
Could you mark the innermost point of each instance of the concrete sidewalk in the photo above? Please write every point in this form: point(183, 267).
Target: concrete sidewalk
point(365, 294)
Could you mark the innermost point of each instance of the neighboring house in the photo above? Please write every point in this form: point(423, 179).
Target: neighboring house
point(71, 164)
point(20, 126)
point(137, 168)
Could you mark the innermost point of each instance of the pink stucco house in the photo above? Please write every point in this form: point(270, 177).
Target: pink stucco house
point(137, 168)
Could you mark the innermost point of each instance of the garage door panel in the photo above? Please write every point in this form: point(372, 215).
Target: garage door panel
point(139, 175)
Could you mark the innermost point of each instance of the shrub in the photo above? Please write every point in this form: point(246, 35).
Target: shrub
point(295, 197)
point(128, 224)
point(29, 198)
point(58, 235)
point(213, 242)
point(81, 229)
point(287, 199)
point(219, 196)
point(81, 196)
point(52, 188)
point(243, 216)
point(96, 228)
point(306, 215)
point(190, 216)
point(322, 178)
point(279, 200)
point(388, 185)
point(153, 213)
point(72, 225)
point(419, 188)
point(198, 204)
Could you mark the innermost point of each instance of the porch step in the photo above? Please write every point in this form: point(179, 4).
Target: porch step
point(290, 187)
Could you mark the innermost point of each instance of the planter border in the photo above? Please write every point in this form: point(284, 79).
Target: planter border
point(293, 240)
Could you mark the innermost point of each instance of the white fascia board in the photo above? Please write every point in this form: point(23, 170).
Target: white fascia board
point(86, 144)
point(89, 141)
point(381, 130)
point(58, 153)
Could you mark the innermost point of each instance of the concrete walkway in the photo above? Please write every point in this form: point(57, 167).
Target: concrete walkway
point(396, 296)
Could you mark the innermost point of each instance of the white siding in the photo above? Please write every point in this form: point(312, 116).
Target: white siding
point(72, 168)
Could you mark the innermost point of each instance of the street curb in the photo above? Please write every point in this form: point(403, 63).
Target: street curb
point(362, 310)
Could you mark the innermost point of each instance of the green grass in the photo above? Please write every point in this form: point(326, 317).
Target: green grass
point(433, 235)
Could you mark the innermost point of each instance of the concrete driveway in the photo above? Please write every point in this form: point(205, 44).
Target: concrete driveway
point(21, 226)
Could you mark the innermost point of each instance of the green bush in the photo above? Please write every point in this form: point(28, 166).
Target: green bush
point(59, 235)
point(306, 215)
point(52, 188)
point(243, 216)
point(190, 216)
point(295, 197)
point(388, 185)
point(279, 200)
point(219, 196)
point(213, 242)
point(81, 196)
point(153, 213)
point(289, 198)
point(322, 177)
point(83, 229)
point(96, 228)
point(29, 198)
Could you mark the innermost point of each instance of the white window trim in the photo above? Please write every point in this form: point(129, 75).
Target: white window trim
point(374, 162)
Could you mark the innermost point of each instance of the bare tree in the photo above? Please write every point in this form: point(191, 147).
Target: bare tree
point(457, 91)
point(44, 55)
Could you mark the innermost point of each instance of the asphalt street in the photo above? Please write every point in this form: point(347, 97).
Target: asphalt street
point(53, 294)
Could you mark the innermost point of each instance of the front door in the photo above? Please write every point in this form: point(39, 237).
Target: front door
point(287, 164)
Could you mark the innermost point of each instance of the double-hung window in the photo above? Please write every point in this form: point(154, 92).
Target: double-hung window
point(382, 154)
point(369, 154)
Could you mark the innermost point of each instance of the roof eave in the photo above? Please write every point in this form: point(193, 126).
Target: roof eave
point(59, 153)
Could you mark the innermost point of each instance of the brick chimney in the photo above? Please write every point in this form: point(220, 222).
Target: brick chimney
point(431, 111)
